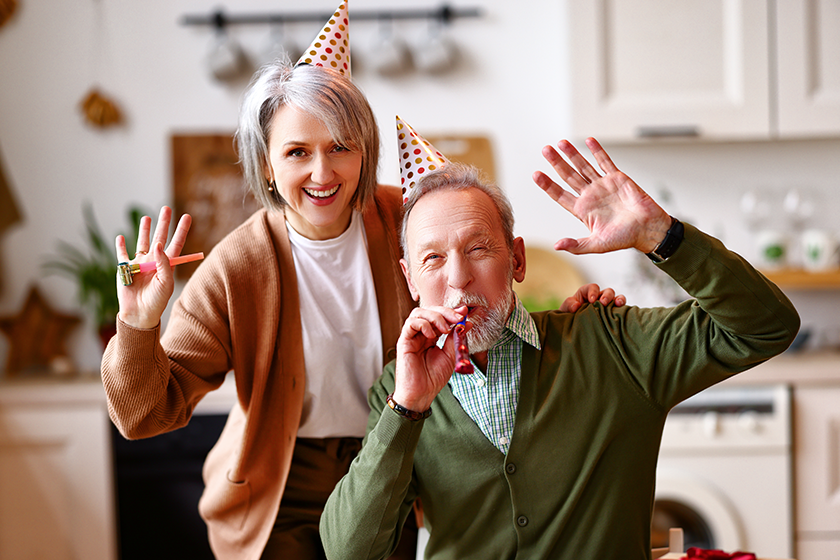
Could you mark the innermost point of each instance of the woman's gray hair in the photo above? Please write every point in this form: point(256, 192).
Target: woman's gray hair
point(325, 94)
point(454, 177)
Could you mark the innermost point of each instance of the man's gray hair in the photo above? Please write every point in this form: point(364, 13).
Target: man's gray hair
point(328, 96)
point(454, 177)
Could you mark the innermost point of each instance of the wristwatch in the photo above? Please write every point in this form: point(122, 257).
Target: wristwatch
point(669, 245)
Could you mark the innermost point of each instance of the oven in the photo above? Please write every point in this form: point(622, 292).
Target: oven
point(724, 473)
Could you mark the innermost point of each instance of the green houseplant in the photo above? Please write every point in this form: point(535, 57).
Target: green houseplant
point(94, 269)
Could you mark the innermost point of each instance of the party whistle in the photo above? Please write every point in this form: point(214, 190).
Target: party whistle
point(463, 365)
point(127, 271)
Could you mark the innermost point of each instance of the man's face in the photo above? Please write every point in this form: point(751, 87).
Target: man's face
point(458, 256)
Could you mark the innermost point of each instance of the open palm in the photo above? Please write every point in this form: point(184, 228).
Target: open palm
point(617, 212)
point(142, 304)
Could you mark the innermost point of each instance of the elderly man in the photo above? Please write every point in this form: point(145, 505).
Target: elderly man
point(549, 449)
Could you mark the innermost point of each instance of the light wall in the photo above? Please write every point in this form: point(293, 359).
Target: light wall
point(513, 87)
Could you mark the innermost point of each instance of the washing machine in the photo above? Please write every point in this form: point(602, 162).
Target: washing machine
point(724, 473)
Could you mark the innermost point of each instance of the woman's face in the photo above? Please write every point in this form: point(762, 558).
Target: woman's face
point(316, 176)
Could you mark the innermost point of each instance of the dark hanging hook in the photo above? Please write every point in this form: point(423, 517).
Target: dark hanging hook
point(219, 21)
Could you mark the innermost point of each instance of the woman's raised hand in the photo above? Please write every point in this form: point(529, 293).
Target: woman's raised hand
point(143, 302)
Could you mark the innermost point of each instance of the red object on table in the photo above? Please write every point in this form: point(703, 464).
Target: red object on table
point(703, 554)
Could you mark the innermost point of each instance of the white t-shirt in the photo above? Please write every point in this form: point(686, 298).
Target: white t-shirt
point(342, 341)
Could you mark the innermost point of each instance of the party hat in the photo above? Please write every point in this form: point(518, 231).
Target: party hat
point(417, 156)
point(331, 47)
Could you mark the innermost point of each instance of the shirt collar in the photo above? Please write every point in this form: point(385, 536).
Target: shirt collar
point(522, 325)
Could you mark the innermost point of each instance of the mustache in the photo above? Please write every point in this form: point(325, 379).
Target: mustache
point(464, 298)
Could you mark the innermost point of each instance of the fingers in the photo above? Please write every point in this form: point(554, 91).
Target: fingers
point(574, 246)
point(162, 260)
point(604, 162)
point(122, 253)
point(432, 322)
point(162, 227)
point(180, 236)
point(570, 304)
point(590, 293)
point(143, 235)
point(606, 296)
point(571, 177)
point(583, 172)
point(583, 166)
point(555, 191)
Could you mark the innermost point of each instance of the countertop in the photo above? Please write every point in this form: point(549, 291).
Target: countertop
point(795, 368)
point(87, 389)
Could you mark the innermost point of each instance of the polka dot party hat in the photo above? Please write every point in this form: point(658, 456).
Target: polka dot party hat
point(331, 47)
point(417, 156)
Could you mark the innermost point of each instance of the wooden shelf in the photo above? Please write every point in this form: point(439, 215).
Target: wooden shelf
point(798, 278)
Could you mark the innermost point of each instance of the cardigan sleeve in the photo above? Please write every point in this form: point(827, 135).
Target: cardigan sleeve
point(365, 513)
point(736, 320)
point(153, 382)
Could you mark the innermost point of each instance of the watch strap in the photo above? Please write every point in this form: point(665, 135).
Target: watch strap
point(669, 245)
point(403, 411)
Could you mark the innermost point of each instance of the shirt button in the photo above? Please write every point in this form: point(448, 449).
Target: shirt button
point(521, 520)
point(480, 382)
point(510, 468)
point(503, 440)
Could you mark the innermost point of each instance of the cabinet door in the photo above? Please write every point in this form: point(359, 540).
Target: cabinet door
point(56, 488)
point(808, 67)
point(817, 460)
point(695, 68)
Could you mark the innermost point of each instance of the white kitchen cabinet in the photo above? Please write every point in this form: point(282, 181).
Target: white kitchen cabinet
point(816, 423)
point(808, 55)
point(56, 487)
point(724, 70)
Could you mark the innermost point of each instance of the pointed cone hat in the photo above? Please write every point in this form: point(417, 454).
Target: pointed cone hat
point(417, 156)
point(331, 47)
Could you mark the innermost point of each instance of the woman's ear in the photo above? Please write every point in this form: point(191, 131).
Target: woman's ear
point(267, 173)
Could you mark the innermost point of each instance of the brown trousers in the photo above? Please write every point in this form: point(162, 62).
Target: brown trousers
point(317, 466)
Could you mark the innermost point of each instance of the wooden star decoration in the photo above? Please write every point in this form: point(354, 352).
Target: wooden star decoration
point(36, 335)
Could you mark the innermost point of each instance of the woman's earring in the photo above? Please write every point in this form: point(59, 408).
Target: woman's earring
point(270, 185)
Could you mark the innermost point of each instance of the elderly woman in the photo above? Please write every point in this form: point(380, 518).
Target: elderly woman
point(304, 302)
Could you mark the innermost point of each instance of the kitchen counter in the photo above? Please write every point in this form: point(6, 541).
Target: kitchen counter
point(795, 368)
point(87, 389)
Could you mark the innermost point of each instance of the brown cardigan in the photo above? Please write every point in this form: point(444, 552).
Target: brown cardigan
point(235, 315)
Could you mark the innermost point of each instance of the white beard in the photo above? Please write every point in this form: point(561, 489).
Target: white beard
point(485, 331)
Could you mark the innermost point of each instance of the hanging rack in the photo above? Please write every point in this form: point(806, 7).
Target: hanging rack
point(444, 13)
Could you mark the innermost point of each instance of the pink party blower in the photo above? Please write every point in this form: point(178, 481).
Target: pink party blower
point(127, 271)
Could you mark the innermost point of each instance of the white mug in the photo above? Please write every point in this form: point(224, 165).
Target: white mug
point(819, 250)
point(772, 249)
point(437, 55)
point(390, 55)
point(226, 60)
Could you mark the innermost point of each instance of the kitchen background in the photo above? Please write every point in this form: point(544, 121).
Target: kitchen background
point(513, 84)
point(761, 77)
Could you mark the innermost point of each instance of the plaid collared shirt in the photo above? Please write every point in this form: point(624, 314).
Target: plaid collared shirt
point(490, 398)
